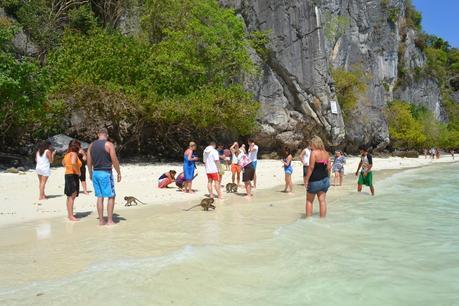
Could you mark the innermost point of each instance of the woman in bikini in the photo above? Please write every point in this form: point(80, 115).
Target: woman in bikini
point(317, 178)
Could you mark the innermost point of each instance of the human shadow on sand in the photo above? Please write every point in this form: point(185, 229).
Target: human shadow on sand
point(116, 218)
point(53, 196)
point(83, 214)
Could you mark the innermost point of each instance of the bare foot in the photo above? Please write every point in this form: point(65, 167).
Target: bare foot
point(86, 193)
point(102, 222)
point(72, 218)
point(110, 223)
point(248, 197)
point(290, 193)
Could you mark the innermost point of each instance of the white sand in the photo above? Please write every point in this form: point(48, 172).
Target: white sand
point(19, 193)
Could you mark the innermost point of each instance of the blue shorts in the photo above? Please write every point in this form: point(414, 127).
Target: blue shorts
point(288, 170)
point(319, 186)
point(254, 164)
point(104, 186)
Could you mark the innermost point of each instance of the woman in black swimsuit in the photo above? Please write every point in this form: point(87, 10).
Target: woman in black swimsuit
point(317, 177)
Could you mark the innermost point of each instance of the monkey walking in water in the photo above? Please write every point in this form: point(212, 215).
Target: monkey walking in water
point(231, 187)
point(131, 200)
point(205, 204)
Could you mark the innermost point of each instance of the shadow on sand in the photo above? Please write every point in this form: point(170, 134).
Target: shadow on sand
point(83, 214)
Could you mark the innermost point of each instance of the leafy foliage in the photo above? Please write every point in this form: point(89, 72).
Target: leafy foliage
point(405, 131)
point(335, 26)
point(349, 85)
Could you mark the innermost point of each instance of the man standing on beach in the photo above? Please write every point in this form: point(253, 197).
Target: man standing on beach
point(366, 176)
point(253, 152)
point(211, 160)
point(304, 157)
point(100, 160)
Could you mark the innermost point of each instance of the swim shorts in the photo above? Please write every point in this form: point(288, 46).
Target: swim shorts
point(104, 185)
point(249, 173)
point(366, 180)
point(288, 170)
point(305, 170)
point(213, 176)
point(319, 186)
point(254, 164)
point(72, 184)
point(235, 168)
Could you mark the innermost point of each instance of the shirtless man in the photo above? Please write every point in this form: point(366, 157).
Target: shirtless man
point(100, 160)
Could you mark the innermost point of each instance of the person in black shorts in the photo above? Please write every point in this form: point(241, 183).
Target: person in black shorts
point(248, 173)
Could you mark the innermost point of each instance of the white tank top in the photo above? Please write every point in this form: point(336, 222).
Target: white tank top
point(43, 161)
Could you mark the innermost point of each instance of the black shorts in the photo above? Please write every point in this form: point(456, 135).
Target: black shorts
point(249, 173)
point(305, 170)
point(83, 173)
point(72, 184)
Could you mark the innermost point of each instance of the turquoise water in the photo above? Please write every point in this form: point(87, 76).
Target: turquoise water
point(398, 248)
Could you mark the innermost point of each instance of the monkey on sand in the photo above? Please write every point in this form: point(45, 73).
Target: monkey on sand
point(231, 187)
point(130, 200)
point(205, 204)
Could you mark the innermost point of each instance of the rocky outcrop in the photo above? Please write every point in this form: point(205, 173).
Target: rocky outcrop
point(294, 87)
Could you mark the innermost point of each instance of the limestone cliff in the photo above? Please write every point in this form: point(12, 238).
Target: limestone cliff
point(296, 86)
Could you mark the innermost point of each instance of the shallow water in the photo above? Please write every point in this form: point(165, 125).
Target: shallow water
point(398, 248)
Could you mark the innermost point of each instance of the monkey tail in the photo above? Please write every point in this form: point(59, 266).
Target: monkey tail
point(141, 201)
point(192, 207)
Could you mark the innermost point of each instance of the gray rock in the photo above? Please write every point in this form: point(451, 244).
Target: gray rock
point(61, 142)
point(294, 86)
point(12, 170)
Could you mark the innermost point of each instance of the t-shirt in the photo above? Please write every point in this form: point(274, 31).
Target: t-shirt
point(307, 155)
point(221, 153)
point(210, 157)
point(367, 160)
point(253, 154)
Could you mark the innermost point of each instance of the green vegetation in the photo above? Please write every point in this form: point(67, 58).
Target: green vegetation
point(412, 16)
point(349, 85)
point(335, 26)
point(413, 127)
point(177, 78)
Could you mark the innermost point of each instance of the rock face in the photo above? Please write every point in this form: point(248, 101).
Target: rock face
point(295, 87)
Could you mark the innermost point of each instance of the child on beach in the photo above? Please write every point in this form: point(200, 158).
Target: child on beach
point(166, 179)
point(288, 170)
point(338, 168)
point(366, 175)
point(180, 180)
point(72, 165)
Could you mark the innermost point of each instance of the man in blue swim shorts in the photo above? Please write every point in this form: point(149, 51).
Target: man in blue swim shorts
point(100, 160)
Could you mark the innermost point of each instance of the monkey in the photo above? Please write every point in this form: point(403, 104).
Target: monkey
point(130, 200)
point(205, 204)
point(231, 187)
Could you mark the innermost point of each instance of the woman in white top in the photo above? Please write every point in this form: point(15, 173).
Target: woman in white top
point(44, 157)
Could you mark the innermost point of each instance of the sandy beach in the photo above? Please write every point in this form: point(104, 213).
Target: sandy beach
point(19, 193)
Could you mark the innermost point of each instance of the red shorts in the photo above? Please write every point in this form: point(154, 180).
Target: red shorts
point(213, 176)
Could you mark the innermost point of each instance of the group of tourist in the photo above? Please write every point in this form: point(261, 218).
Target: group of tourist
point(101, 157)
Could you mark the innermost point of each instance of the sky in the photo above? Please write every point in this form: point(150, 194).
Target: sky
point(441, 18)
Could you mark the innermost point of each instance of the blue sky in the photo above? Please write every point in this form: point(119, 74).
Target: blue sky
point(441, 18)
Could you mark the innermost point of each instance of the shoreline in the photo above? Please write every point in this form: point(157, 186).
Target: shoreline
point(18, 204)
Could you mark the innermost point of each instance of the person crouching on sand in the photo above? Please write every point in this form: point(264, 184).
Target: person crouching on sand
point(166, 179)
point(317, 177)
point(288, 170)
point(72, 165)
point(366, 175)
